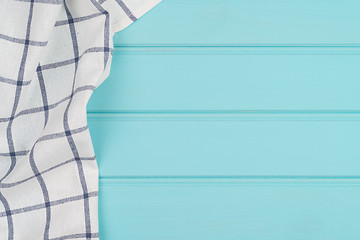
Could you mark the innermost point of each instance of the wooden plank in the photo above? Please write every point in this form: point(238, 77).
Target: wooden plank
point(235, 79)
point(242, 22)
point(228, 211)
point(226, 145)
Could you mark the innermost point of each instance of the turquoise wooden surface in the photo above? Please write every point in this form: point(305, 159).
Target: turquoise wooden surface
point(229, 211)
point(232, 119)
point(229, 144)
point(256, 22)
point(230, 81)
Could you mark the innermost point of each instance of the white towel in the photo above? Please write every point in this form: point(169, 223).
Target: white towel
point(53, 54)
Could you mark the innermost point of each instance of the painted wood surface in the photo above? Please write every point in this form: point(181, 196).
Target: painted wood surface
point(229, 144)
point(229, 211)
point(232, 119)
point(241, 22)
point(240, 79)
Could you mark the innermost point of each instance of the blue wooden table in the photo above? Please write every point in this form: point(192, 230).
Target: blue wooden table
point(232, 120)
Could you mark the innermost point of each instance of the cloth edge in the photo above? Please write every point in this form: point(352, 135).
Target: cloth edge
point(138, 13)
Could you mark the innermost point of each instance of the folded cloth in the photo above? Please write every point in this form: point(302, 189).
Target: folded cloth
point(53, 54)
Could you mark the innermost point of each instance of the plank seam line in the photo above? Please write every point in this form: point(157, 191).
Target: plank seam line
point(350, 45)
point(226, 116)
point(228, 112)
point(254, 180)
point(234, 177)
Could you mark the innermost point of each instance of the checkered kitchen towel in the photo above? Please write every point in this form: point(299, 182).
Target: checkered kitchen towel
point(53, 54)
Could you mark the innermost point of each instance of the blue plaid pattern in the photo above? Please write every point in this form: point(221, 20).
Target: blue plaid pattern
point(54, 54)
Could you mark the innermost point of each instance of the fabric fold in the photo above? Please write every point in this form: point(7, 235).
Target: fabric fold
point(53, 55)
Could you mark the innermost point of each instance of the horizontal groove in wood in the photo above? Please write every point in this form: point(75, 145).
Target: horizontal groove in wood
point(239, 49)
point(244, 45)
point(231, 115)
point(229, 112)
point(241, 180)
